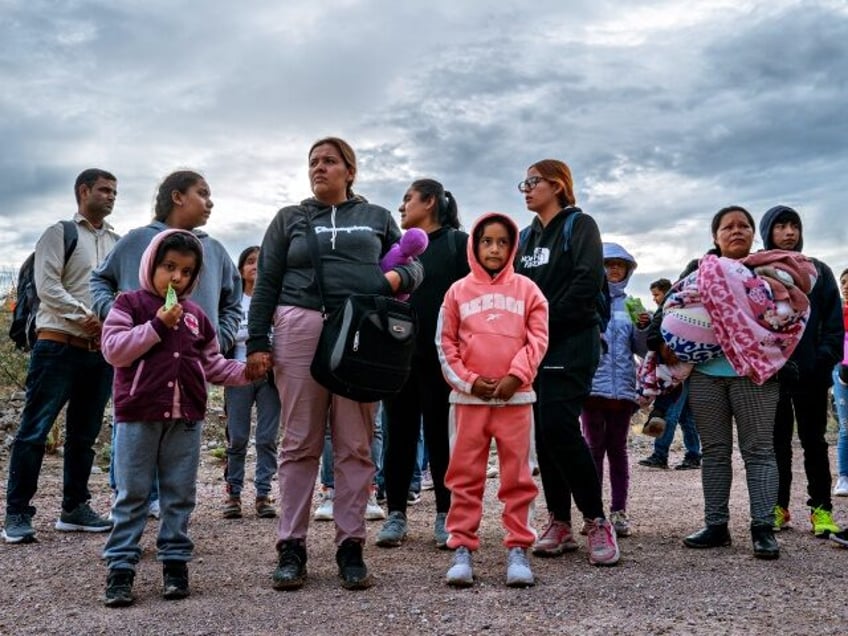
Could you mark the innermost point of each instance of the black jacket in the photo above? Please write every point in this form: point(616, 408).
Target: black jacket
point(571, 280)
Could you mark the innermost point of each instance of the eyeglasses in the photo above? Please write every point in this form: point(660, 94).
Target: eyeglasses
point(529, 183)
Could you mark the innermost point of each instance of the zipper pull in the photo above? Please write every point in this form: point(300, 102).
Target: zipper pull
point(356, 341)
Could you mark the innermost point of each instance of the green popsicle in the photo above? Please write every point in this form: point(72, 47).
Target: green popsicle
point(170, 298)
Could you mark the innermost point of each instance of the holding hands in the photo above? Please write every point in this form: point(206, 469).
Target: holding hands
point(258, 364)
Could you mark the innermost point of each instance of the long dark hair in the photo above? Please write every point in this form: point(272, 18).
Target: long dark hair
point(447, 211)
point(242, 259)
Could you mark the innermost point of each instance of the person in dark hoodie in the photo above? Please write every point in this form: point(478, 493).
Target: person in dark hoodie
point(805, 381)
point(570, 275)
point(424, 397)
point(352, 235)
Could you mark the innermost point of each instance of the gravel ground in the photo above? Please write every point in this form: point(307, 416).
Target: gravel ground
point(659, 587)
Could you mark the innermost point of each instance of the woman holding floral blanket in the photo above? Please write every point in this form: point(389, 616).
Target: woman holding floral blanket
point(738, 385)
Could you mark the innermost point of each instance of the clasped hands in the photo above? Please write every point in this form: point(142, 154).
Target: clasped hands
point(495, 389)
point(258, 364)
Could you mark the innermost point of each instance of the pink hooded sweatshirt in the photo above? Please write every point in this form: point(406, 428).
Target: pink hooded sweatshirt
point(492, 326)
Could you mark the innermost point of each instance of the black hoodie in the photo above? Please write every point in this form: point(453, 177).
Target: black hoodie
point(352, 237)
point(821, 345)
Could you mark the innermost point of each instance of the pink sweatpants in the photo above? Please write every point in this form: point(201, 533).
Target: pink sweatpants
point(475, 427)
point(306, 408)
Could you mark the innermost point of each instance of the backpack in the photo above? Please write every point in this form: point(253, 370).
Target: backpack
point(603, 301)
point(22, 329)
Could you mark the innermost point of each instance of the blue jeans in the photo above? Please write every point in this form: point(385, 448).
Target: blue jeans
point(58, 374)
point(239, 403)
point(173, 448)
point(840, 396)
point(327, 479)
point(679, 413)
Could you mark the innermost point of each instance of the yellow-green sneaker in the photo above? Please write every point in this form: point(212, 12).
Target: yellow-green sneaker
point(781, 518)
point(823, 523)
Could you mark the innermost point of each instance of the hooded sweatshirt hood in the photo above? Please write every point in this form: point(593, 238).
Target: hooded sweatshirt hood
point(146, 269)
point(477, 270)
point(770, 218)
point(614, 250)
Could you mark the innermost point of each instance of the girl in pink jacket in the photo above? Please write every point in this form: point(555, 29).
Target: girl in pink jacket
point(491, 335)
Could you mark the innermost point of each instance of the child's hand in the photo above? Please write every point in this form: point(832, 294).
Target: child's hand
point(254, 372)
point(171, 317)
point(643, 320)
point(506, 388)
point(258, 364)
point(484, 388)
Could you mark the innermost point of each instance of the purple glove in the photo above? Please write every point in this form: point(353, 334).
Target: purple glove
point(413, 242)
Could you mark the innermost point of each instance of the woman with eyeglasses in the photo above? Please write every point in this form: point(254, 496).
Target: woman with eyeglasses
point(565, 259)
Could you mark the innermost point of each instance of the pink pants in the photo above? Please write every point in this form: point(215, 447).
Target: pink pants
point(476, 425)
point(306, 408)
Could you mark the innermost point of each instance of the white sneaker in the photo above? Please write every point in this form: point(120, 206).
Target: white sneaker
point(841, 488)
point(426, 480)
point(460, 573)
point(324, 511)
point(619, 521)
point(518, 572)
point(153, 510)
point(373, 511)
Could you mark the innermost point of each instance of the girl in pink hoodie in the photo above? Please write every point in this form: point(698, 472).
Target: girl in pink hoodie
point(491, 335)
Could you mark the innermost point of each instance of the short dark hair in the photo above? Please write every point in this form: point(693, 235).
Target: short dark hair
point(89, 177)
point(183, 242)
point(179, 181)
point(663, 284)
point(495, 218)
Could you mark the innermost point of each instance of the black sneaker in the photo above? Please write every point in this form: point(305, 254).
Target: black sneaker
point(119, 588)
point(83, 519)
point(689, 463)
point(291, 566)
point(18, 529)
point(352, 570)
point(175, 579)
point(654, 461)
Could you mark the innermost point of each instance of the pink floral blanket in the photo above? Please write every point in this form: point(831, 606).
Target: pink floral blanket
point(753, 311)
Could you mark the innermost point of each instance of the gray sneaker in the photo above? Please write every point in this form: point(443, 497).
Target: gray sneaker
point(518, 572)
point(83, 519)
point(461, 573)
point(18, 529)
point(440, 533)
point(394, 531)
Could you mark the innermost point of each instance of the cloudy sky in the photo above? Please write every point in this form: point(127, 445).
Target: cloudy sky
point(665, 111)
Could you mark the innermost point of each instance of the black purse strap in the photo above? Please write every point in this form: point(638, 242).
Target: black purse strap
point(315, 255)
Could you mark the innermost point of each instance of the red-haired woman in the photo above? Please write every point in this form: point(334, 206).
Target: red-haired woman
point(569, 269)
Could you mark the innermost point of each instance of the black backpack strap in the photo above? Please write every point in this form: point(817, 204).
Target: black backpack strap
point(315, 255)
point(71, 237)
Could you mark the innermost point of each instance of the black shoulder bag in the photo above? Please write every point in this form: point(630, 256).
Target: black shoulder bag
point(366, 345)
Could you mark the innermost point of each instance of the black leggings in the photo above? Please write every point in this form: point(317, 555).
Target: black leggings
point(562, 385)
point(423, 397)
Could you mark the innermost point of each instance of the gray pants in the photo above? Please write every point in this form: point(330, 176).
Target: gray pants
point(716, 403)
point(172, 447)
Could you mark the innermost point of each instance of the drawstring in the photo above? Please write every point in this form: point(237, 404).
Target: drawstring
point(333, 223)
